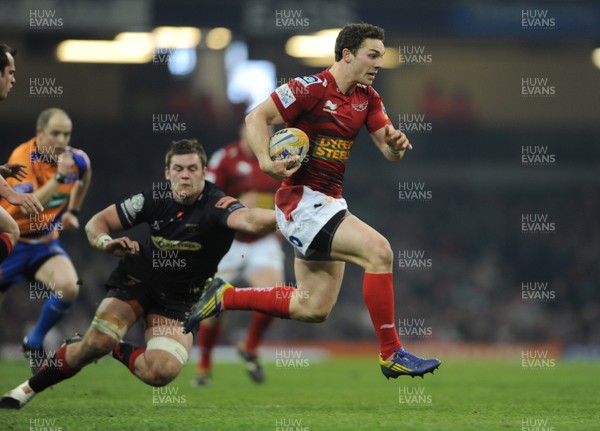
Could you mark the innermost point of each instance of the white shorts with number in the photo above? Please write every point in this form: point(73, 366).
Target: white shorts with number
point(309, 214)
point(243, 258)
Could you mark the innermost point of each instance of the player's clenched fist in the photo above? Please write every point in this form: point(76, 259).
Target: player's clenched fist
point(122, 246)
point(65, 162)
point(280, 169)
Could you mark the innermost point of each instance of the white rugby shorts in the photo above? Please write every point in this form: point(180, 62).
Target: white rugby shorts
point(302, 213)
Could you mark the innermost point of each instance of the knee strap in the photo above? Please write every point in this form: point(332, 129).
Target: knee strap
point(110, 325)
point(169, 345)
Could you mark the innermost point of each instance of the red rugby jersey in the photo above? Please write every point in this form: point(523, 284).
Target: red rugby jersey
point(332, 120)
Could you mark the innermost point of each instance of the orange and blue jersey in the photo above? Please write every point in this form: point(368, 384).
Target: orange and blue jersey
point(45, 226)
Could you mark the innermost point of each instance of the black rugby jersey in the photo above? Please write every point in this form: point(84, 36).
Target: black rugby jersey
point(185, 242)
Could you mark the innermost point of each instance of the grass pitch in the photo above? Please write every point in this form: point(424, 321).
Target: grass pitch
point(345, 394)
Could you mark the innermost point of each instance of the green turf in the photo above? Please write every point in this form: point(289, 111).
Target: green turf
point(348, 394)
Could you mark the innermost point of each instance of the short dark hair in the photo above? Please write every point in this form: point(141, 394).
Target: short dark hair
point(353, 35)
point(4, 49)
point(185, 146)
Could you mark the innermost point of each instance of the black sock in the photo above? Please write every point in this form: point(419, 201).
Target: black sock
point(54, 370)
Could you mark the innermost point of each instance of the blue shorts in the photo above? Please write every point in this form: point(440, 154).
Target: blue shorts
point(25, 260)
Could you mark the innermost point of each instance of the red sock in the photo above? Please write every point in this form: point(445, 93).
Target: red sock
point(274, 301)
point(207, 338)
point(5, 246)
point(378, 292)
point(134, 355)
point(258, 326)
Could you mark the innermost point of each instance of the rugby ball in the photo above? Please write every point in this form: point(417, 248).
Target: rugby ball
point(287, 143)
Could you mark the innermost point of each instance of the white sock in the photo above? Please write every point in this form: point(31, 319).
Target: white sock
point(22, 393)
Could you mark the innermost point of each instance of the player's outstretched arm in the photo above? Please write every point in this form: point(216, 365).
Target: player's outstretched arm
point(392, 143)
point(98, 231)
point(255, 221)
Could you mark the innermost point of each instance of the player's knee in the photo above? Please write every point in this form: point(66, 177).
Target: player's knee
point(162, 373)
point(315, 315)
point(97, 345)
point(380, 254)
point(163, 367)
point(165, 358)
point(67, 289)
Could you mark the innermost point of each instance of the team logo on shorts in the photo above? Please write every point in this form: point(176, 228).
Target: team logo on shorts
point(295, 241)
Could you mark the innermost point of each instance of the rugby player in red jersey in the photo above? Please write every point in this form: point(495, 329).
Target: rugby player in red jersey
point(331, 107)
point(9, 230)
point(256, 260)
point(191, 225)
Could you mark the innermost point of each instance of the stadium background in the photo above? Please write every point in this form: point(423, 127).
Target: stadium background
point(471, 124)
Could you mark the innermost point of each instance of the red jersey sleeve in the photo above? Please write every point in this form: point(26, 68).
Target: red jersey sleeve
point(377, 117)
point(297, 96)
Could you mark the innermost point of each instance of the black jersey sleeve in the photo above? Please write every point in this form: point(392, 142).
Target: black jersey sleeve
point(222, 204)
point(134, 209)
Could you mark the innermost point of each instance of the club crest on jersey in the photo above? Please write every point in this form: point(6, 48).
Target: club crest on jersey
point(132, 206)
point(360, 106)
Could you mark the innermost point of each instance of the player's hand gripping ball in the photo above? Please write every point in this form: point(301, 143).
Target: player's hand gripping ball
point(288, 142)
